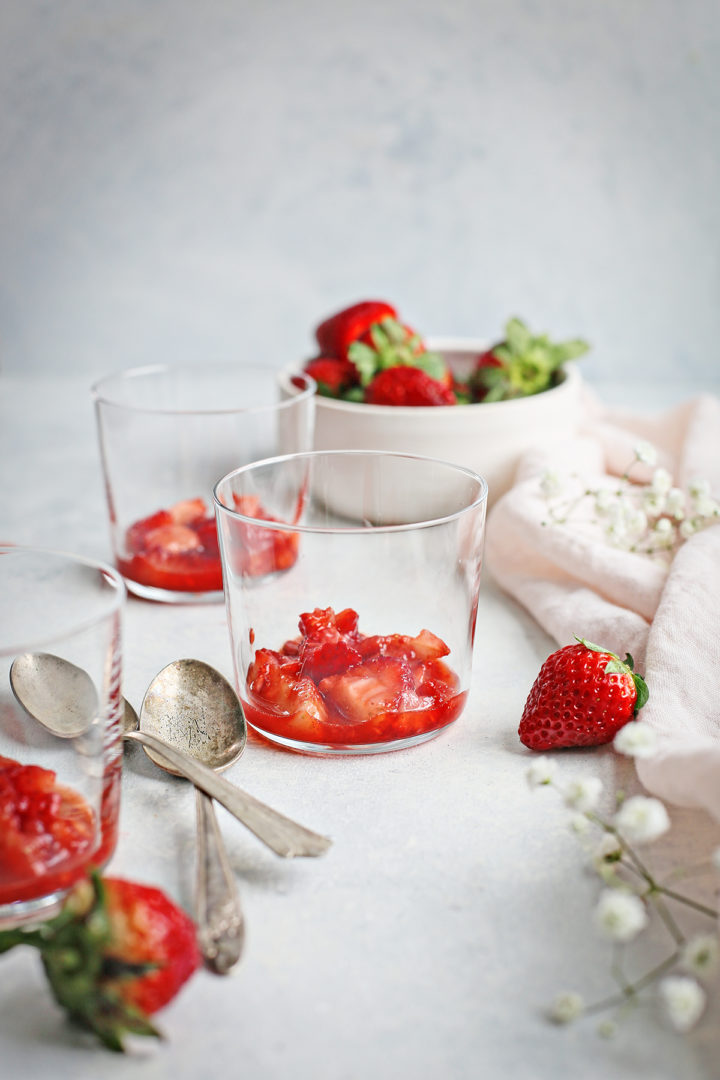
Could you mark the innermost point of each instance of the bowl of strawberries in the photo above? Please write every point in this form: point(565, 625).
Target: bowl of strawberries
point(383, 386)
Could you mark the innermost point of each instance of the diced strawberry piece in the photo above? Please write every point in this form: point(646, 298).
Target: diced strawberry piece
point(188, 510)
point(328, 658)
point(332, 375)
point(322, 624)
point(259, 551)
point(173, 539)
point(275, 681)
point(407, 386)
point(336, 334)
point(435, 680)
point(426, 646)
point(376, 686)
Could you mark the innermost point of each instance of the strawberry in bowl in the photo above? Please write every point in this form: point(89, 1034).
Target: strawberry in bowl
point(383, 386)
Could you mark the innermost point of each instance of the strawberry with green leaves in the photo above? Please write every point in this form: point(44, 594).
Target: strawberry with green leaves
point(117, 952)
point(582, 696)
point(336, 334)
point(522, 364)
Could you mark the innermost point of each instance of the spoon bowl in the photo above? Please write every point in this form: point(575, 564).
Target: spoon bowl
point(191, 706)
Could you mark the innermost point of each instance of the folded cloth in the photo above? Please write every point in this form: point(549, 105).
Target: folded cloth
point(556, 558)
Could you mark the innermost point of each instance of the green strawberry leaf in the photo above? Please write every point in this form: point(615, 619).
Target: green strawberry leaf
point(643, 693)
point(432, 364)
point(365, 360)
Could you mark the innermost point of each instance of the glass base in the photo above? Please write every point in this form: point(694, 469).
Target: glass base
point(170, 596)
point(326, 749)
point(25, 912)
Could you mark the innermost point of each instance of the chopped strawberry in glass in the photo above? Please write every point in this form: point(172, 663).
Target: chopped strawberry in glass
point(336, 686)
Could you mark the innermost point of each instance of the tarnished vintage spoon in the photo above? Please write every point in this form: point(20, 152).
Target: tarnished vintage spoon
point(192, 707)
point(46, 703)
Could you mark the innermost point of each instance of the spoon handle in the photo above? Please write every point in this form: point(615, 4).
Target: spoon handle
point(221, 927)
point(283, 835)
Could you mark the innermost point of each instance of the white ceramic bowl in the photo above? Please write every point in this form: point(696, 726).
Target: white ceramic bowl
point(489, 438)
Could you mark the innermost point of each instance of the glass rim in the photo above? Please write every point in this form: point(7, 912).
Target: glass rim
point(115, 605)
point(99, 389)
point(284, 526)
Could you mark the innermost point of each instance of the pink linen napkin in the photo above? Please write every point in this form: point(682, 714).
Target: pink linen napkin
point(666, 613)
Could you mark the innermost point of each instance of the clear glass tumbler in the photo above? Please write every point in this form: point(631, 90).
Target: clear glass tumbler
point(59, 796)
point(351, 594)
point(166, 435)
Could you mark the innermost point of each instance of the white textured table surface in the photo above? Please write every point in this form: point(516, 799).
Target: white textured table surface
point(449, 911)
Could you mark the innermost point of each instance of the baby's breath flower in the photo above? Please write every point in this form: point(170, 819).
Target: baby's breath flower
point(653, 502)
point(645, 452)
point(684, 1001)
point(661, 481)
point(697, 488)
point(642, 820)
point(675, 503)
point(617, 533)
point(603, 501)
point(688, 528)
point(607, 1029)
point(705, 507)
point(607, 853)
point(566, 1007)
point(636, 739)
point(579, 824)
point(701, 954)
point(541, 771)
point(583, 794)
point(620, 916)
point(550, 483)
point(636, 522)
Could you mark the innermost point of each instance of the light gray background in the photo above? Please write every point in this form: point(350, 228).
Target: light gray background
point(181, 179)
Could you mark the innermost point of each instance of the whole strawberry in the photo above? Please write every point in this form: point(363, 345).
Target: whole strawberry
point(582, 697)
point(117, 952)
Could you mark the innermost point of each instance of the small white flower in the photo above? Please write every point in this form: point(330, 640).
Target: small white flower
point(620, 916)
point(579, 824)
point(675, 503)
point(583, 794)
point(617, 533)
point(636, 522)
point(607, 853)
point(541, 771)
point(661, 481)
point(705, 507)
point(645, 452)
point(642, 820)
point(663, 526)
point(566, 1007)
point(607, 1029)
point(550, 483)
point(653, 502)
point(688, 528)
point(603, 501)
point(684, 1001)
point(701, 955)
point(636, 739)
point(698, 488)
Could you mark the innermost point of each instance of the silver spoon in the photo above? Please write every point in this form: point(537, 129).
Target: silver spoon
point(39, 682)
point(192, 707)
